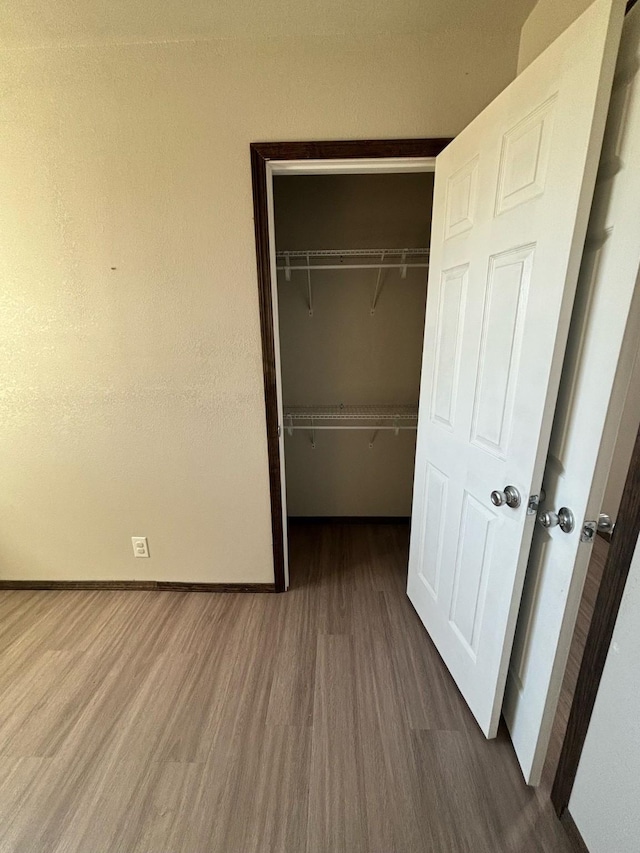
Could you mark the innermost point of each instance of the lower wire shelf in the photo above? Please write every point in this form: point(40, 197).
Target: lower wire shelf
point(372, 418)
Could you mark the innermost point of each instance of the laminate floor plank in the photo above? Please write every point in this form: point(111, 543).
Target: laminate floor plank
point(15, 604)
point(320, 721)
point(294, 631)
point(337, 802)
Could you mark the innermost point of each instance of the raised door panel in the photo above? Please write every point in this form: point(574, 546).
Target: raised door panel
point(503, 320)
point(462, 191)
point(431, 534)
point(472, 567)
point(525, 157)
point(449, 332)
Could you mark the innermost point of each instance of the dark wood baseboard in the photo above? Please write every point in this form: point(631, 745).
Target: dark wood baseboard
point(176, 586)
point(349, 519)
point(573, 833)
point(216, 587)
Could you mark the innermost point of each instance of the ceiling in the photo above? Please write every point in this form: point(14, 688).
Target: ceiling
point(30, 23)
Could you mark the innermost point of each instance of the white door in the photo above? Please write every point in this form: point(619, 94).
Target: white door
point(603, 342)
point(511, 203)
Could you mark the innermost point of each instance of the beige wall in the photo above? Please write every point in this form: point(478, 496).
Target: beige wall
point(546, 21)
point(343, 354)
point(131, 380)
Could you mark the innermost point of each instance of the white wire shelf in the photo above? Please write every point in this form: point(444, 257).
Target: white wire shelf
point(325, 259)
point(371, 418)
point(351, 413)
point(351, 259)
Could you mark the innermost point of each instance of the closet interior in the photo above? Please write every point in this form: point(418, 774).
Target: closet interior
point(352, 257)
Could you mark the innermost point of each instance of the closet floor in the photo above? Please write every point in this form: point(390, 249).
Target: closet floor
point(321, 720)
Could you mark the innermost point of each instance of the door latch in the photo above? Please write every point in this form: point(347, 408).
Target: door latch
point(590, 528)
point(534, 502)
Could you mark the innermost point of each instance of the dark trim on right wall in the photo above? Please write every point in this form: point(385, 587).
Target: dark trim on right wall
point(605, 613)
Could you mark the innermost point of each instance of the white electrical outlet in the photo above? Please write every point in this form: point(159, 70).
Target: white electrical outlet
point(140, 546)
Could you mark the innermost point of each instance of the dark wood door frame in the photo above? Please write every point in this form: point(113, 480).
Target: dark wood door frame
point(605, 613)
point(261, 154)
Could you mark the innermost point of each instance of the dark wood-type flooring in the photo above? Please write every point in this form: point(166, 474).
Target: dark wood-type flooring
point(319, 721)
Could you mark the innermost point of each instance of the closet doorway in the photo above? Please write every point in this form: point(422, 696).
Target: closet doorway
point(343, 251)
point(352, 259)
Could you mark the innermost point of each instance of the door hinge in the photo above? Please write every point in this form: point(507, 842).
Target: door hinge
point(590, 528)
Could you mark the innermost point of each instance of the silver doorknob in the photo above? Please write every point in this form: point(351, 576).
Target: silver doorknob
point(562, 519)
point(605, 523)
point(510, 496)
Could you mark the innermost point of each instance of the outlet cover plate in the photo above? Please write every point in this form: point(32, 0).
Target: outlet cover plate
point(140, 546)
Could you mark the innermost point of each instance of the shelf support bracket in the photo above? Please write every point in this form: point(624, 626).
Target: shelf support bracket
point(403, 261)
point(374, 435)
point(377, 290)
point(313, 437)
point(309, 287)
point(287, 267)
point(290, 427)
point(396, 428)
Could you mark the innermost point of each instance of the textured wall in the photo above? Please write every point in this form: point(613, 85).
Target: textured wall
point(546, 21)
point(130, 368)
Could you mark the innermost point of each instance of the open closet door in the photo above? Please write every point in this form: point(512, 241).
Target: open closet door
point(511, 205)
point(603, 343)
